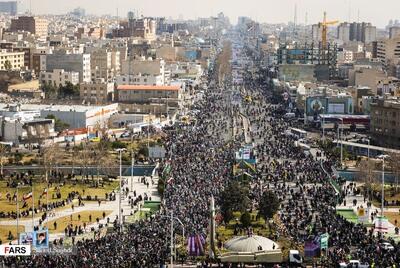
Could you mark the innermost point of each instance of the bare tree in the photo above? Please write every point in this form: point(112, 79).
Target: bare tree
point(85, 157)
point(3, 156)
point(366, 175)
point(51, 156)
point(394, 164)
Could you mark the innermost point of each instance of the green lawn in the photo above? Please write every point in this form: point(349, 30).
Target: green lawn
point(39, 186)
point(348, 214)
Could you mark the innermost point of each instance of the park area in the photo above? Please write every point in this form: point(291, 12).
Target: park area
point(57, 192)
point(76, 219)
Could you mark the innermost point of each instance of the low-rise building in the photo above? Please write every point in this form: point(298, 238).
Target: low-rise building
point(18, 126)
point(151, 80)
point(76, 116)
point(11, 60)
point(59, 77)
point(98, 92)
point(147, 94)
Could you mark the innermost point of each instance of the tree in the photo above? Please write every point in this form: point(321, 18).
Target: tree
point(366, 175)
point(7, 65)
point(49, 90)
point(85, 158)
point(3, 153)
point(394, 164)
point(269, 205)
point(69, 89)
point(245, 219)
point(235, 197)
point(102, 157)
point(58, 124)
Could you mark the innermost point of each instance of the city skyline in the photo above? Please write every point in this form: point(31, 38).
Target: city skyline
point(341, 10)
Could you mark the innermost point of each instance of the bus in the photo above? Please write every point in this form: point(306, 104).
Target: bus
point(299, 133)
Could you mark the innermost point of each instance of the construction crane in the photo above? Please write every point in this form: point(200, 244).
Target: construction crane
point(324, 26)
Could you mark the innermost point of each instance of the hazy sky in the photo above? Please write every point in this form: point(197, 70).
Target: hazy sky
point(377, 12)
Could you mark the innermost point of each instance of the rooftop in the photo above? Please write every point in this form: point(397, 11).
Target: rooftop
point(144, 87)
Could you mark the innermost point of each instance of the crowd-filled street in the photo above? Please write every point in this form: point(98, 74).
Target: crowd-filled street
point(201, 157)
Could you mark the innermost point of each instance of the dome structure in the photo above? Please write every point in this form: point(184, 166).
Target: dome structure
point(253, 243)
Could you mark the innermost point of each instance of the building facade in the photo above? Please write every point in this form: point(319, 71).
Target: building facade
point(385, 122)
point(34, 25)
point(11, 60)
point(59, 77)
point(147, 94)
point(98, 92)
point(70, 63)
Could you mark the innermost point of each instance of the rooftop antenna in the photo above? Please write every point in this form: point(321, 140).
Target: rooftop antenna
point(30, 7)
point(295, 15)
point(358, 16)
point(349, 11)
point(305, 26)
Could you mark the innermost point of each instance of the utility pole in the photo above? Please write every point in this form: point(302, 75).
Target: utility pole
point(172, 238)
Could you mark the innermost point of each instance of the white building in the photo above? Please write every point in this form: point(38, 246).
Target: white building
point(344, 56)
point(77, 116)
point(150, 80)
point(59, 77)
point(11, 60)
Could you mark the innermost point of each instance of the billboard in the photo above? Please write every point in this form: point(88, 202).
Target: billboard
point(157, 152)
point(26, 238)
point(316, 106)
point(41, 239)
point(336, 108)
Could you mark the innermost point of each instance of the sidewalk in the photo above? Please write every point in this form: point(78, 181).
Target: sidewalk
point(133, 185)
point(360, 202)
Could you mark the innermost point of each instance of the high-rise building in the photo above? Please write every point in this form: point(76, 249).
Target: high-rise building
point(34, 25)
point(362, 32)
point(394, 32)
point(388, 51)
point(10, 7)
point(344, 32)
point(143, 27)
point(317, 33)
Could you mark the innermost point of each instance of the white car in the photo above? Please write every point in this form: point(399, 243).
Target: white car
point(387, 246)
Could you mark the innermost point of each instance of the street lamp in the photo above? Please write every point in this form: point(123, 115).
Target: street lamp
point(172, 233)
point(383, 181)
point(132, 163)
point(340, 135)
point(323, 124)
point(120, 186)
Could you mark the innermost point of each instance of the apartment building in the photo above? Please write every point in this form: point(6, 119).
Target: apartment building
point(385, 122)
point(11, 60)
point(34, 25)
point(70, 63)
point(98, 92)
point(59, 77)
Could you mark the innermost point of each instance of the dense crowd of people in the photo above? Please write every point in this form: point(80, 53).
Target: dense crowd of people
point(201, 156)
point(308, 199)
